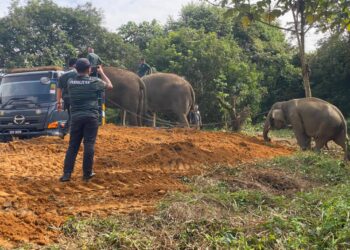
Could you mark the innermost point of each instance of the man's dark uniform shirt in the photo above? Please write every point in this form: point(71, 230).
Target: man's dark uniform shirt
point(94, 59)
point(84, 92)
point(143, 69)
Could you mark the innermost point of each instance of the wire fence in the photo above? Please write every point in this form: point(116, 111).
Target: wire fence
point(170, 123)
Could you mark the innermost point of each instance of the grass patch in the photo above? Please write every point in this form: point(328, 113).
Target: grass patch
point(253, 130)
point(312, 166)
point(221, 213)
point(113, 116)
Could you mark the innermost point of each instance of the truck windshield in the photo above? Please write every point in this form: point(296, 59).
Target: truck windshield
point(26, 88)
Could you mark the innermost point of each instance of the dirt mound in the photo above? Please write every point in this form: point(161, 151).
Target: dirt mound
point(135, 167)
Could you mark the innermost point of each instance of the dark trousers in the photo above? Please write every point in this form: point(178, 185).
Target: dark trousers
point(84, 128)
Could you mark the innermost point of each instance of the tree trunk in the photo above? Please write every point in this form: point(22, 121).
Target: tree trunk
point(306, 79)
point(304, 65)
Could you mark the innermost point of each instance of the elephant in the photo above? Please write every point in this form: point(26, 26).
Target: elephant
point(128, 94)
point(169, 92)
point(310, 118)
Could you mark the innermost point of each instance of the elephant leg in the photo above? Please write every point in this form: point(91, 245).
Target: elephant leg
point(132, 120)
point(183, 120)
point(341, 141)
point(303, 140)
point(139, 120)
point(320, 143)
point(154, 119)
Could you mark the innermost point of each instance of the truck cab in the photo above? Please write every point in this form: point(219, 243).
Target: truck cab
point(28, 105)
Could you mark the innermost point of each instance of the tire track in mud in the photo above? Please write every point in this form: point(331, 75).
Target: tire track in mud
point(135, 167)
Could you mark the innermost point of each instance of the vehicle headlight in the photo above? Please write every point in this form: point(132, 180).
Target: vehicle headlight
point(38, 111)
point(45, 80)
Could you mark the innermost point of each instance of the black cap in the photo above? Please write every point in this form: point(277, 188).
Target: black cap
point(82, 64)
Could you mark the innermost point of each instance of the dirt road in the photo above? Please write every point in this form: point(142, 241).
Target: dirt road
point(135, 167)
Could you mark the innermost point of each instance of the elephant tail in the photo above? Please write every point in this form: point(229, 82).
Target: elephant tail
point(193, 97)
point(142, 108)
point(347, 146)
point(345, 131)
point(347, 140)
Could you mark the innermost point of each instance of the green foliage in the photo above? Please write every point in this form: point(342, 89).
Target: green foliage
point(306, 15)
point(330, 72)
point(320, 220)
point(203, 16)
point(113, 116)
point(119, 54)
point(333, 16)
point(221, 57)
point(42, 33)
point(322, 14)
point(140, 34)
point(273, 57)
point(107, 234)
point(253, 130)
point(204, 59)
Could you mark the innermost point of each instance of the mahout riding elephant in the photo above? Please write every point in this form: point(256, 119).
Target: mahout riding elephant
point(128, 94)
point(310, 118)
point(169, 93)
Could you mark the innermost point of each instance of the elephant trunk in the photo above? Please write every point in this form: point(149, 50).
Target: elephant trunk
point(193, 96)
point(267, 127)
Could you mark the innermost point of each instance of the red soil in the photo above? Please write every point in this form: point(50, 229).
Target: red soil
point(135, 167)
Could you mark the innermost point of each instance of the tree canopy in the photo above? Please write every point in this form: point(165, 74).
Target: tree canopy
point(307, 14)
point(232, 65)
point(330, 74)
point(43, 33)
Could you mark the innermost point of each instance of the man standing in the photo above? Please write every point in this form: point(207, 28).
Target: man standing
point(197, 117)
point(144, 68)
point(84, 91)
point(62, 93)
point(94, 60)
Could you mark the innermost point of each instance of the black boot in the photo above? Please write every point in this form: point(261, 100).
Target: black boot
point(65, 177)
point(86, 178)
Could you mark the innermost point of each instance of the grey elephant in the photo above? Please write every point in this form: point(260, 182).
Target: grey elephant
point(169, 92)
point(128, 94)
point(309, 118)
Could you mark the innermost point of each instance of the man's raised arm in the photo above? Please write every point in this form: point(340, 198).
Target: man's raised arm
point(104, 77)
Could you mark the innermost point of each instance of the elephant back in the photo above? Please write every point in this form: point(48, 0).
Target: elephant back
point(127, 87)
point(167, 91)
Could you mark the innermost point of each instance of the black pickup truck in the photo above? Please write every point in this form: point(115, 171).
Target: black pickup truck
point(28, 105)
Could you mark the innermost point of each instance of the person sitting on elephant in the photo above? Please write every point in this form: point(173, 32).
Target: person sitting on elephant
point(144, 68)
point(94, 60)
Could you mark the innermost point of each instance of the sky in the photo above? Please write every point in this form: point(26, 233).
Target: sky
point(119, 12)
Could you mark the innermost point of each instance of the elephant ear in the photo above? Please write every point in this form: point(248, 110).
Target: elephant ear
point(278, 115)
